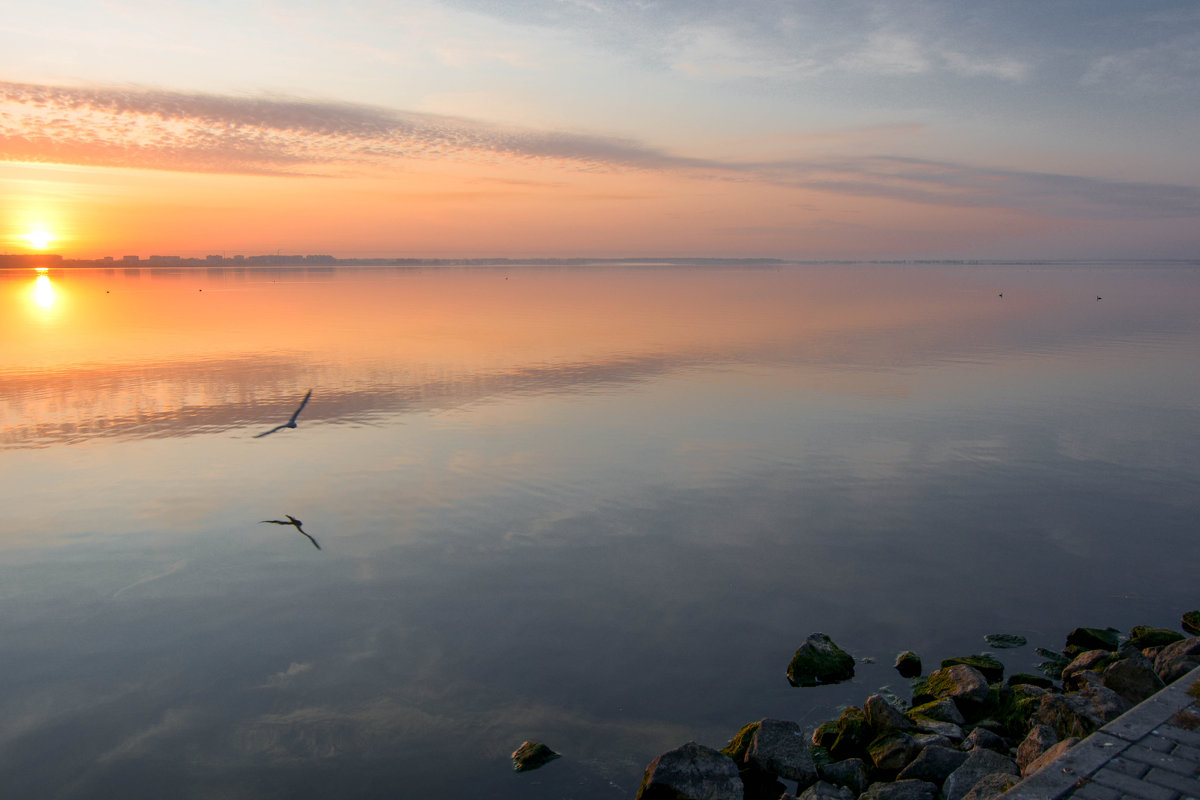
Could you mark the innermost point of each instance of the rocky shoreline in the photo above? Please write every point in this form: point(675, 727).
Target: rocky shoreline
point(968, 733)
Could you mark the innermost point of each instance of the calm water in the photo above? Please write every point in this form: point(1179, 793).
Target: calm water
point(595, 507)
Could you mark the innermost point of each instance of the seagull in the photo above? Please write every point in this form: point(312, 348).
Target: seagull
point(291, 423)
point(1002, 294)
point(294, 522)
point(1098, 297)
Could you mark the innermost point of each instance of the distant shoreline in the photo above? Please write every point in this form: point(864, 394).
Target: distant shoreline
point(47, 261)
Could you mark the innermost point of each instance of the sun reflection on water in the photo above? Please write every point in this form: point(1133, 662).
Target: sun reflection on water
point(43, 292)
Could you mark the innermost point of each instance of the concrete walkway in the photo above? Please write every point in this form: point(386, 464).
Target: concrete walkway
point(1141, 755)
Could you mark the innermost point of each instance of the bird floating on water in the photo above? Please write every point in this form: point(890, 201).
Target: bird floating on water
point(294, 523)
point(291, 423)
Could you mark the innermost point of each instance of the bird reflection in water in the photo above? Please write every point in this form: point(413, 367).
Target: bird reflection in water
point(294, 523)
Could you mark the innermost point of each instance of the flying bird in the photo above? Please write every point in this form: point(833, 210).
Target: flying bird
point(294, 523)
point(291, 423)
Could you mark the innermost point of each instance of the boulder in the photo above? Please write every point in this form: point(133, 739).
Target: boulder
point(850, 773)
point(819, 661)
point(934, 764)
point(992, 786)
point(691, 771)
point(1143, 636)
point(908, 664)
point(1068, 715)
point(824, 791)
point(943, 710)
point(531, 755)
point(1004, 641)
point(947, 730)
point(982, 737)
point(960, 683)
point(1082, 639)
point(825, 734)
point(778, 747)
point(1133, 678)
point(978, 764)
point(1025, 679)
point(1190, 622)
point(880, 715)
point(852, 734)
point(1040, 739)
point(1108, 704)
point(988, 666)
point(1178, 659)
point(1050, 755)
point(901, 790)
point(740, 743)
point(891, 751)
point(1087, 661)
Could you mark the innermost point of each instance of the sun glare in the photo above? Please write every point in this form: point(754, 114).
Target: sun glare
point(39, 239)
point(43, 291)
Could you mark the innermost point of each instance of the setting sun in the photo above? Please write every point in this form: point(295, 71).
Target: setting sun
point(39, 239)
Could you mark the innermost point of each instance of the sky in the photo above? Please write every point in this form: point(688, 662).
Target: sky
point(802, 129)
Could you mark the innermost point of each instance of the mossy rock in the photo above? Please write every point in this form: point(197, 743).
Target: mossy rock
point(1083, 639)
point(852, 734)
point(1144, 636)
point(908, 664)
point(1012, 714)
point(1025, 679)
point(821, 756)
point(987, 665)
point(819, 661)
point(963, 683)
point(531, 755)
point(740, 743)
point(1005, 641)
point(825, 734)
point(1190, 621)
point(1054, 664)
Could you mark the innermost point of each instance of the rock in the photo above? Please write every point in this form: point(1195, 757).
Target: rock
point(962, 684)
point(880, 715)
point(691, 771)
point(850, 773)
point(1025, 679)
point(924, 740)
point(852, 734)
point(1082, 639)
point(1052, 667)
point(908, 664)
point(901, 790)
point(1190, 622)
point(892, 751)
point(1133, 678)
point(740, 743)
point(1068, 715)
point(1108, 704)
point(1143, 636)
point(944, 710)
point(989, 667)
point(531, 755)
point(760, 785)
point(1087, 661)
point(825, 734)
point(1004, 641)
point(934, 764)
point(947, 730)
point(992, 786)
point(982, 737)
point(778, 747)
point(1178, 659)
point(820, 661)
point(825, 791)
point(1050, 755)
point(1040, 739)
point(978, 764)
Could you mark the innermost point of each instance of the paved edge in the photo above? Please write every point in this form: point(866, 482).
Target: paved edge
point(1065, 773)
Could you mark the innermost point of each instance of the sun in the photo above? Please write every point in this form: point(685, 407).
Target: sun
point(39, 239)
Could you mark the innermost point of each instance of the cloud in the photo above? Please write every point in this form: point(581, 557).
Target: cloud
point(1166, 68)
point(151, 129)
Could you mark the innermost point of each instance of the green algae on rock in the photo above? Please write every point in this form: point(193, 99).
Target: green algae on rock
point(1005, 641)
point(819, 661)
point(988, 666)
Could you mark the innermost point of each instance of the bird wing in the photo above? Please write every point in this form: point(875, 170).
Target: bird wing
point(303, 403)
point(311, 539)
point(274, 521)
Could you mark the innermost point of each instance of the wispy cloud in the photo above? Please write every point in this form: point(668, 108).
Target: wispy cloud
point(1165, 68)
point(150, 129)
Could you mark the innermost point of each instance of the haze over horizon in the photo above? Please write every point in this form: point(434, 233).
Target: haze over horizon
point(596, 128)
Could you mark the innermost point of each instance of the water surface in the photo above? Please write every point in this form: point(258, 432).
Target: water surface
point(598, 507)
